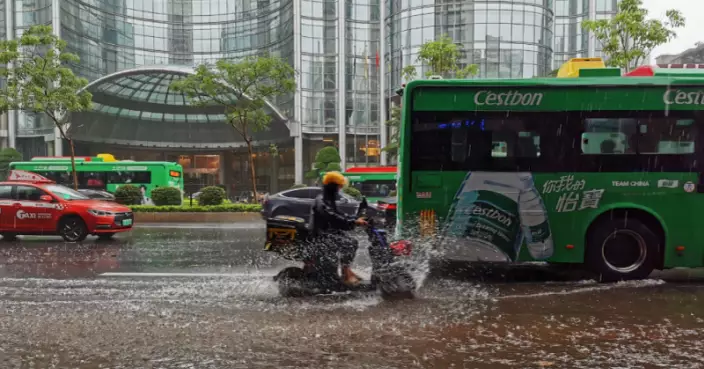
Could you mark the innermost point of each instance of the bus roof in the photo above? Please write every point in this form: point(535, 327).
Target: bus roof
point(584, 72)
point(94, 163)
point(359, 170)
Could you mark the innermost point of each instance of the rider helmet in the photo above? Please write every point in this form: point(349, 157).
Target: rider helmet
point(334, 178)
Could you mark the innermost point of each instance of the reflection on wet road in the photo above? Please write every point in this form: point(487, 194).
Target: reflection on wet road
point(189, 297)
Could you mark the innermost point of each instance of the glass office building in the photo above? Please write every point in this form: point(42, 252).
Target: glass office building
point(348, 66)
point(570, 39)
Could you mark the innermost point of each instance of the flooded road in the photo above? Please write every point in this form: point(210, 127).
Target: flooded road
point(187, 297)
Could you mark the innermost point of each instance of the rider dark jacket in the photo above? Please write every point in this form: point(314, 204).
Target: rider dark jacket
point(326, 218)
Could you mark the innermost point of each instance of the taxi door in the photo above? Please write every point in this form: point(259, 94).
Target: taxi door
point(6, 201)
point(31, 214)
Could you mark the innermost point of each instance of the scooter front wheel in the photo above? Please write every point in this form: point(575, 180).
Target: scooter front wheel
point(397, 286)
point(291, 282)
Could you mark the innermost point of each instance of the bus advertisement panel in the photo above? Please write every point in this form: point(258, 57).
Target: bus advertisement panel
point(96, 173)
point(595, 170)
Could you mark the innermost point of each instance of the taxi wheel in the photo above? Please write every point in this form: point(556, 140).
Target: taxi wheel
point(8, 236)
point(73, 229)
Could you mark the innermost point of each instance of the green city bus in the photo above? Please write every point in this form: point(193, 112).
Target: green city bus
point(597, 169)
point(105, 173)
point(375, 183)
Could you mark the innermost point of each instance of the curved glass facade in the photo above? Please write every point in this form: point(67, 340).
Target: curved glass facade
point(505, 38)
point(138, 108)
point(114, 35)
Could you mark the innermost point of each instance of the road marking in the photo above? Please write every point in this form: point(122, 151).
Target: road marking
point(139, 274)
point(243, 225)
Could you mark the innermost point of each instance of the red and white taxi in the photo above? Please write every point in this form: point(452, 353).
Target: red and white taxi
point(33, 205)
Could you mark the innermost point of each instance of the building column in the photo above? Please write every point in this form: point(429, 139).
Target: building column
point(10, 34)
point(341, 87)
point(56, 30)
point(383, 111)
point(295, 125)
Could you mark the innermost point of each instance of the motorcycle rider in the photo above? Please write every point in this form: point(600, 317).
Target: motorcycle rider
point(329, 226)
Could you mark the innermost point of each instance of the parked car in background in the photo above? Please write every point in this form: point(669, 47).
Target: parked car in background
point(299, 201)
point(97, 194)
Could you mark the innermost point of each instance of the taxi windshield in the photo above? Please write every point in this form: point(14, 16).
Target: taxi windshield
point(65, 192)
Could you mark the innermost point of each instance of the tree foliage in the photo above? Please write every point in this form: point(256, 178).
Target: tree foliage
point(163, 196)
point(352, 192)
point(211, 195)
point(7, 156)
point(394, 123)
point(327, 159)
point(629, 37)
point(40, 80)
point(128, 195)
point(242, 89)
point(442, 56)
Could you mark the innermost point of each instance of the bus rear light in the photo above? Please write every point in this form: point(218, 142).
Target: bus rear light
point(569, 247)
point(427, 222)
point(679, 248)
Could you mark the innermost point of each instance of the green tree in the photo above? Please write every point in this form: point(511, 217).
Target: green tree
point(629, 37)
point(40, 81)
point(327, 159)
point(442, 56)
point(7, 156)
point(394, 124)
point(252, 82)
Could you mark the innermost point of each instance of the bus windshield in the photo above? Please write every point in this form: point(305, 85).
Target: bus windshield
point(375, 188)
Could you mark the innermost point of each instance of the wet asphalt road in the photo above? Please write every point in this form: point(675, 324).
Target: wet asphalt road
point(190, 297)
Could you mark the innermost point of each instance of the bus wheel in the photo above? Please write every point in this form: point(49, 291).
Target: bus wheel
point(73, 229)
point(621, 249)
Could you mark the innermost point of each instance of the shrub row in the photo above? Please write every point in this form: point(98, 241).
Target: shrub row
point(230, 208)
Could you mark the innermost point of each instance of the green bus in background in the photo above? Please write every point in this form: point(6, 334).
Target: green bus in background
point(375, 183)
point(104, 172)
point(596, 169)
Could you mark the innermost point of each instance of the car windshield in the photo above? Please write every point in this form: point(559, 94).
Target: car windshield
point(66, 193)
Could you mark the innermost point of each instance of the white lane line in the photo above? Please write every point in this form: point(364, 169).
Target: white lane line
point(252, 225)
point(138, 274)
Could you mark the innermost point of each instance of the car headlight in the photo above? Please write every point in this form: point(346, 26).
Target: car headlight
point(100, 213)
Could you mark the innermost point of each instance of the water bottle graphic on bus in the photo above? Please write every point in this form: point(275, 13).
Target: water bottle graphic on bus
point(496, 212)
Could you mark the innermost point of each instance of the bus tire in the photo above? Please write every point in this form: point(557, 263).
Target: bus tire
point(620, 249)
point(72, 229)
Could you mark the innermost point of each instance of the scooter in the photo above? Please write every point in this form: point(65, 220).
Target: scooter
point(290, 237)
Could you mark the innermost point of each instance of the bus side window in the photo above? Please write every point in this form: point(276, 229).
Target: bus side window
point(130, 177)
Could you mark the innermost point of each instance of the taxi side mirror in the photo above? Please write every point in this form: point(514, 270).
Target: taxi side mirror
point(46, 198)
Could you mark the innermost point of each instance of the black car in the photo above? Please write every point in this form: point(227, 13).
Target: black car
point(298, 202)
point(97, 194)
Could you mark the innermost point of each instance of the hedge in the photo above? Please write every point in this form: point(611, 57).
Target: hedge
point(162, 196)
point(230, 208)
point(212, 196)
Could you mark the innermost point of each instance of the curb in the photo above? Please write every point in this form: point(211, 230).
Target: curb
point(194, 217)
